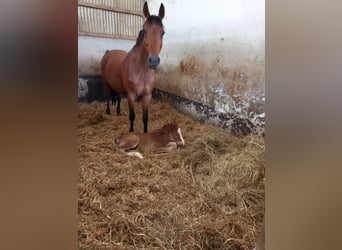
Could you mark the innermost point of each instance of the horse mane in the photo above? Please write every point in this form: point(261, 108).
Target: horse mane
point(140, 37)
point(150, 20)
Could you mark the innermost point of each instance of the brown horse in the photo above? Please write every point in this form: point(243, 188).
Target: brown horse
point(132, 74)
point(162, 140)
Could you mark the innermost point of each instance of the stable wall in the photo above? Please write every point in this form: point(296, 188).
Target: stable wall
point(213, 53)
point(90, 53)
point(91, 50)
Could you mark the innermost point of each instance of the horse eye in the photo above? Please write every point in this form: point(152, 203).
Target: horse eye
point(163, 33)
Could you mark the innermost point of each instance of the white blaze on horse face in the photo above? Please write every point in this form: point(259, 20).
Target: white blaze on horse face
point(181, 137)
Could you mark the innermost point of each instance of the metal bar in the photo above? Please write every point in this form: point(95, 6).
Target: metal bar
point(92, 21)
point(106, 35)
point(114, 22)
point(106, 20)
point(87, 22)
point(103, 7)
point(112, 28)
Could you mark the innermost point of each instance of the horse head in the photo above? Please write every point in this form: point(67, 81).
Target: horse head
point(153, 32)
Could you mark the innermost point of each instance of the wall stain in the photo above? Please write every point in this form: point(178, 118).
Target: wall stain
point(236, 89)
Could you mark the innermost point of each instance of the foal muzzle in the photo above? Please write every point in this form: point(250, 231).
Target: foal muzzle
point(153, 61)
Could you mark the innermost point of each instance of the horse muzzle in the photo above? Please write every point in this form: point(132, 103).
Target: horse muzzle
point(153, 61)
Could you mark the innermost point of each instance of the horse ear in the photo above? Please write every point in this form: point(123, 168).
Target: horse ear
point(146, 10)
point(161, 11)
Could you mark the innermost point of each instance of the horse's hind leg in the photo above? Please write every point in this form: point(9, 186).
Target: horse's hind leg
point(113, 97)
point(118, 104)
point(108, 94)
point(107, 109)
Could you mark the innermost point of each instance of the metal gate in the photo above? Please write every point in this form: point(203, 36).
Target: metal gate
point(120, 19)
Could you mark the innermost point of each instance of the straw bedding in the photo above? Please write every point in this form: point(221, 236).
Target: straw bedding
point(206, 195)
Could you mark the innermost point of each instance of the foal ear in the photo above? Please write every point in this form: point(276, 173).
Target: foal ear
point(146, 10)
point(161, 11)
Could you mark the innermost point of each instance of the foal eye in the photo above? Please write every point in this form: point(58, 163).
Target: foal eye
point(162, 34)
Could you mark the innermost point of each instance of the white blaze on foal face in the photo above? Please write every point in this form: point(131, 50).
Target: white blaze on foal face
point(181, 137)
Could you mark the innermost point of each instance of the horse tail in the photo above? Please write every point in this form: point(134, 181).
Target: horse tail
point(103, 61)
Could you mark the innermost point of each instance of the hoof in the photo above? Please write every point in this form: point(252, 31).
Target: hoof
point(108, 112)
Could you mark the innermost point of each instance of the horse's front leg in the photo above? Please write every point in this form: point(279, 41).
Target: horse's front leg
point(145, 103)
point(131, 100)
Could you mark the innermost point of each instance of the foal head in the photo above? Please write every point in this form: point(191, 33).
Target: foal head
point(174, 132)
point(152, 35)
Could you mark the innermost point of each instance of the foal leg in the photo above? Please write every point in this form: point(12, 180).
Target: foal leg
point(145, 103)
point(131, 153)
point(166, 149)
point(171, 145)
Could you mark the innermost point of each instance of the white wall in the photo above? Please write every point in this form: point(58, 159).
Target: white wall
point(233, 30)
point(214, 53)
point(91, 50)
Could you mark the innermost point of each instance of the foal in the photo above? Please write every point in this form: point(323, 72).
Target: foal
point(162, 140)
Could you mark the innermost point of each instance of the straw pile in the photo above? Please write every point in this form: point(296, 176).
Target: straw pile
point(207, 195)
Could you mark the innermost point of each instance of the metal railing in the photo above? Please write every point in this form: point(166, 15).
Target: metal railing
point(120, 19)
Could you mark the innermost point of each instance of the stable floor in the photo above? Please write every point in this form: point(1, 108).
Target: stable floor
point(206, 195)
